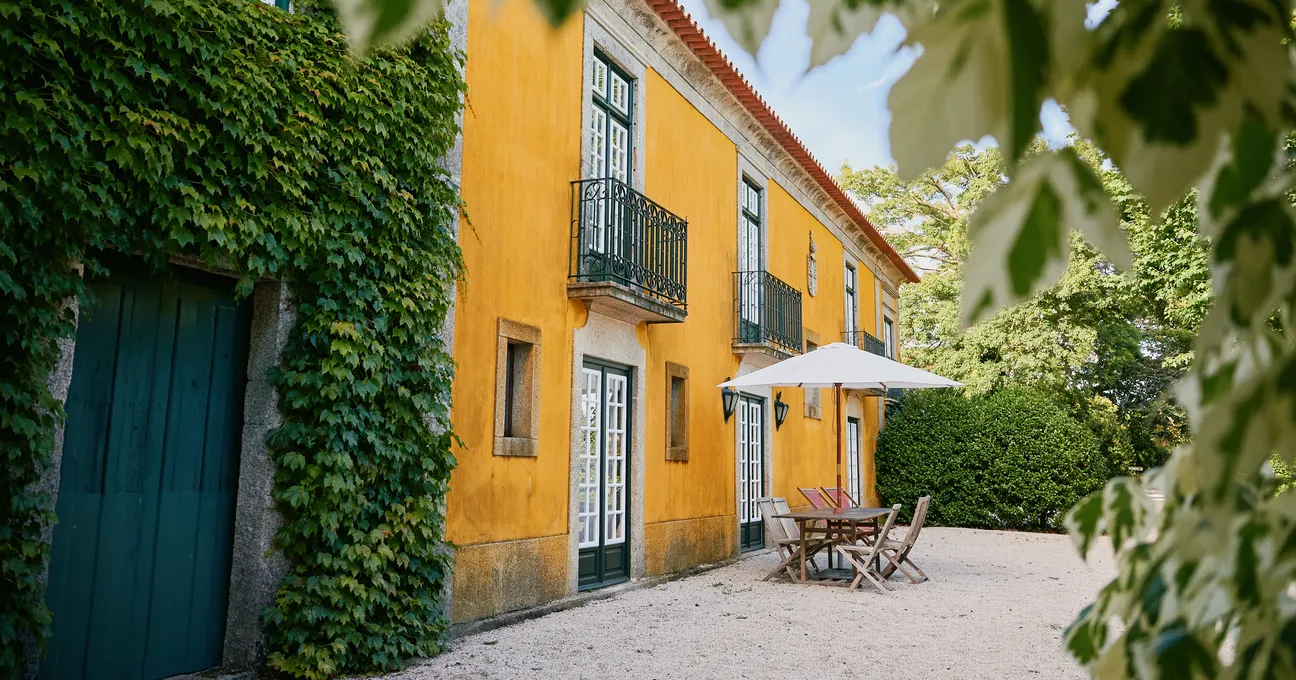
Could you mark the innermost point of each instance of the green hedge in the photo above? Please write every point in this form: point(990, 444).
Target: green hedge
point(1013, 459)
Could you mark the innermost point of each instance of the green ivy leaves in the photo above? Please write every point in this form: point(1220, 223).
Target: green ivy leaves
point(249, 138)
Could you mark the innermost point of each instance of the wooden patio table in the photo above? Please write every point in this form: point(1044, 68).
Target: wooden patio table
point(837, 522)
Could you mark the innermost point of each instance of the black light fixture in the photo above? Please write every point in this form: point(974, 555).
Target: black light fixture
point(780, 410)
point(729, 398)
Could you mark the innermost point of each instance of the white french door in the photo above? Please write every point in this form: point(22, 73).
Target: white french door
point(853, 459)
point(751, 471)
point(602, 491)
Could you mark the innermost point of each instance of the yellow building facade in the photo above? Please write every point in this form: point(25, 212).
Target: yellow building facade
point(640, 227)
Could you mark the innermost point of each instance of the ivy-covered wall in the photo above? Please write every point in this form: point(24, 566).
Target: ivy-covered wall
point(248, 137)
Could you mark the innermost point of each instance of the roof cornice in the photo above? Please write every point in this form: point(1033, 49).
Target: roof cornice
point(687, 30)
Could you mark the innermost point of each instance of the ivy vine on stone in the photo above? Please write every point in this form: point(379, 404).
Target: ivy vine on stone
point(244, 136)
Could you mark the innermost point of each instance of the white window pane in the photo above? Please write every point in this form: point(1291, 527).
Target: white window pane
point(742, 247)
point(589, 482)
point(598, 143)
point(598, 80)
point(619, 93)
point(620, 156)
point(614, 470)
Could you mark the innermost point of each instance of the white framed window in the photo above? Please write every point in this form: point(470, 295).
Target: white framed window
point(852, 301)
point(588, 493)
point(751, 458)
point(610, 126)
point(853, 459)
point(615, 480)
point(749, 252)
point(888, 337)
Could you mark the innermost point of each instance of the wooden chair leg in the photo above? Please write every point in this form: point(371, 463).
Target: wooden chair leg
point(889, 569)
point(862, 570)
point(859, 573)
point(921, 576)
point(875, 580)
point(786, 564)
point(902, 562)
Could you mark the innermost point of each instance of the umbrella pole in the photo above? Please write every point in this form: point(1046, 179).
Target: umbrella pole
point(837, 389)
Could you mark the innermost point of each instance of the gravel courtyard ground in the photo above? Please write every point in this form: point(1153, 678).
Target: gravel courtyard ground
point(995, 607)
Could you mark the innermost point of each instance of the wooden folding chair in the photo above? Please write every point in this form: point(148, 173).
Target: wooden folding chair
point(897, 552)
point(838, 496)
point(817, 500)
point(786, 537)
point(862, 556)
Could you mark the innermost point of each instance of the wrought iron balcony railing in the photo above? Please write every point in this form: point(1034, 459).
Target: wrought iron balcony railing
point(766, 310)
point(621, 236)
point(865, 341)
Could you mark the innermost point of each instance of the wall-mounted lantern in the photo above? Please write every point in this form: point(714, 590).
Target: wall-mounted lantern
point(729, 398)
point(780, 410)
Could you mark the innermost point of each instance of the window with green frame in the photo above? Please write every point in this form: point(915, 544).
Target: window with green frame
point(610, 126)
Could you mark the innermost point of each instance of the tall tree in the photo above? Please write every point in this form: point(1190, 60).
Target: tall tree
point(1108, 342)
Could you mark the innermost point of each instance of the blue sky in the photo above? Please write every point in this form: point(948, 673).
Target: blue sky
point(839, 110)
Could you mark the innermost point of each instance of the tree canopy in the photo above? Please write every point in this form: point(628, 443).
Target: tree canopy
point(1109, 342)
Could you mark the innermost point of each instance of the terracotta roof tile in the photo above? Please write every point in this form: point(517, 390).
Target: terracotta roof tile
point(692, 35)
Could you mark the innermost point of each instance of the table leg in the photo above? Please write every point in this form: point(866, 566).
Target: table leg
point(804, 547)
point(829, 526)
point(877, 527)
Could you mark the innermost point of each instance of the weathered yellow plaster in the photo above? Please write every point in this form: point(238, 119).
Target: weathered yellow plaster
point(692, 170)
point(493, 578)
point(672, 546)
point(521, 148)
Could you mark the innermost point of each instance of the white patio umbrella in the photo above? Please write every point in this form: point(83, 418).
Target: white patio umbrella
point(841, 366)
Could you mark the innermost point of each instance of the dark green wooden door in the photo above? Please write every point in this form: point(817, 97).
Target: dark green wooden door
point(139, 573)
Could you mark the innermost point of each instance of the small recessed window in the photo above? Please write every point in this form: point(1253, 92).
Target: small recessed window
point(517, 389)
point(517, 354)
point(677, 412)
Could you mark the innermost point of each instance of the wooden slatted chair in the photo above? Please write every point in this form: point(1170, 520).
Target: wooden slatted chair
point(787, 538)
point(897, 552)
point(839, 496)
point(862, 556)
point(818, 501)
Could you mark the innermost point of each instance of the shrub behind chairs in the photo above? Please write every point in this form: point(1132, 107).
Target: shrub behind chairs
point(1011, 460)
